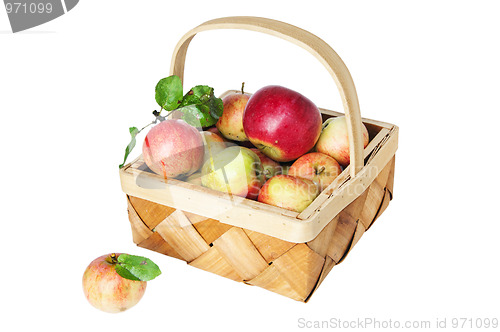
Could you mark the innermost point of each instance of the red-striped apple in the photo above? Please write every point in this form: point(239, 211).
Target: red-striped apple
point(230, 124)
point(334, 140)
point(317, 167)
point(173, 148)
point(106, 290)
point(288, 192)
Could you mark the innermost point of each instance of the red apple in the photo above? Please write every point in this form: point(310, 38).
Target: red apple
point(230, 124)
point(236, 170)
point(271, 167)
point(334, 140)
point(317, 167)
point(282, 123)
point(213, 144)
point(106, 290)
point(173, 148)
point(288, 192)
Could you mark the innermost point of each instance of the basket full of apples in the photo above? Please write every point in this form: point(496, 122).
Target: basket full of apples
point(263, 188)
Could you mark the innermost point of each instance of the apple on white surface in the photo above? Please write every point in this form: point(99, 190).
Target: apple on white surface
point(281, 123)
point(106, 290)
point(173, 148)
point(317, 167)
point(334, 140)
point(236, 170)
point(288, 192)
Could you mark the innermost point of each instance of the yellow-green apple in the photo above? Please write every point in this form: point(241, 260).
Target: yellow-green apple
point(271, 167)
point(106, 290)
point(173, 148)
point(334, 140)
point(288, 192)
point(236, 170)
point(230, 124)
point(213, 144)
point(317, 167)
point(282, 123)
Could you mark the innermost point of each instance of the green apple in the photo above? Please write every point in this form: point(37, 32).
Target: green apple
point(213, 144)
point(235, 170)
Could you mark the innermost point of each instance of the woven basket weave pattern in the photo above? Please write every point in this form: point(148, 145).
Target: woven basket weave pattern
point(291, 269)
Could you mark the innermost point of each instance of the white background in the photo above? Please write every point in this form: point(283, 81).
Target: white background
point(70, 89)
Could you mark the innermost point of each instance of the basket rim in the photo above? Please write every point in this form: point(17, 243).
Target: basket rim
point(281, 223)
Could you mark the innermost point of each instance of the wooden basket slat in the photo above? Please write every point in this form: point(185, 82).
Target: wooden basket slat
point(157, 243)
point(210, 229)
point(150, 213)
point(178, 231)
point(375, 195)
point(291, 269)
point(301, 267)
point(272, 280)
point(140, 231)
point(270, 248)
point(324, 239)
point(239, 251)
point(212, 261)
point(327, 267)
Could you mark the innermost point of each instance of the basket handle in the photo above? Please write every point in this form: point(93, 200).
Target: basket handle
point(316, 46)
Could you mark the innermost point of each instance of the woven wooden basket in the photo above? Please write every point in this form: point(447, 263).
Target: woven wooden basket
point(282, 251)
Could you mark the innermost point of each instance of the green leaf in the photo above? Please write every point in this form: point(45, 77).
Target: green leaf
point(133, 133)
point(136, 268)
point(168, 92)
point(200, 107)
point(197, 115)
point(124, 273)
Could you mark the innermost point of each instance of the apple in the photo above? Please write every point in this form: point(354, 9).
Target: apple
point(173, 148)
point(288, 192)
point(230, 124)
point(236, 170)
point(334, 140)
point(281, 123)
point(213, 144)
point(216, 131)
point(271, 167)
point(317, 167)
point(106, 290)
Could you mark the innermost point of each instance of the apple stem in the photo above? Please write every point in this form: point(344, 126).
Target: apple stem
point(112, 259)
point(320, 170)
point(242, 86)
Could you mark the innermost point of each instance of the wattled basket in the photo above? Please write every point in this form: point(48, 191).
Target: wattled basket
point(244, 240)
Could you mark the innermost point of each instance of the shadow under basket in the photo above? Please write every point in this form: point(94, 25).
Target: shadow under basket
point(247, 241)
